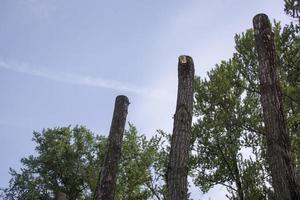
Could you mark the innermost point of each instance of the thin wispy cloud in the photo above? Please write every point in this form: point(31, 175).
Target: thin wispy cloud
point(84, 80)
point(39, 8)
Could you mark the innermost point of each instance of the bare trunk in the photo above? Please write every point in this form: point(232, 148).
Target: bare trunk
point(178, 159)
point(237, 177)
point(278, 143)
point(106, 187)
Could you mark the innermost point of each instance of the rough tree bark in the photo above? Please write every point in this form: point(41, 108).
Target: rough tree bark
point(278, 143)
point(178, 159)
point(106, 186)
point(237, 178)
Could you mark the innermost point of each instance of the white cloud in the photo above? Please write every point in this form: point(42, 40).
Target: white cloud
point(86, 80)
point(40, 8)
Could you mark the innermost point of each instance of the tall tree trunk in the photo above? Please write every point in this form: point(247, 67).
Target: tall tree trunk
point(106, 186)
point(179, 155)
point(278, 143)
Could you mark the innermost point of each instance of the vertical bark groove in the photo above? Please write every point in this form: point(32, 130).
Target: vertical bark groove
point(278, 143)
point(106, 186)
point(178, 159)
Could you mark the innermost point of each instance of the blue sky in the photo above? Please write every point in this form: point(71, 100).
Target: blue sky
point(63, 62)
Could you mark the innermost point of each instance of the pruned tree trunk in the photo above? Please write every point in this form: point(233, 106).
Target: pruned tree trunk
point(179, 155)
point(278, 143)
point(106, 186)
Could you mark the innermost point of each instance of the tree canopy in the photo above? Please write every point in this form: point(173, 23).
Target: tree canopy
point(68, 160)
point(228, 144)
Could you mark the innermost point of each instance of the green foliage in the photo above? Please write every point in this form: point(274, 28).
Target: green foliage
point(228, 136)
point(139, 165)
point(229, 117)
point(292, 8)
point(223, 131)
point(69, 159)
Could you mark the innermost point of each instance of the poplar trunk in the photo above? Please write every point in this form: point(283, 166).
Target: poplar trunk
point(179, 154)
point(278, 144)
point(106, 186)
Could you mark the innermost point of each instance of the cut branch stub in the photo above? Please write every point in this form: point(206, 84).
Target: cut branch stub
point(61, 196)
